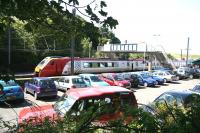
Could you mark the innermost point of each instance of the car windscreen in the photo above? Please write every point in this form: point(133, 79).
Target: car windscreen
point(145, 75)
point(44, 62)
point(118, 77)
point(95, 79)
point(64, 104)
point(78, 81)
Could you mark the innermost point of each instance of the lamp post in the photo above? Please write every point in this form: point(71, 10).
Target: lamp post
point(144, 55)
point(73, 44)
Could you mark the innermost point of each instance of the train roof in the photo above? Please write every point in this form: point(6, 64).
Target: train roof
point(95, 91)
point(73, 76)
point(100, 59)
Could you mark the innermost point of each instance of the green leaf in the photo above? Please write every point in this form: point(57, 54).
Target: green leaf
point(103, 4)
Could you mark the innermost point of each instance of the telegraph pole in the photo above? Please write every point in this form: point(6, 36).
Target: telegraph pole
point(181, 54)
point(188, 42)
point(73, 43)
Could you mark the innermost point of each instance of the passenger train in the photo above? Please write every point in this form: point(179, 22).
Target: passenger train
point(57, 66)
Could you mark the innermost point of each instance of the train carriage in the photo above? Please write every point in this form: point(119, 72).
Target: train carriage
point(56, 66)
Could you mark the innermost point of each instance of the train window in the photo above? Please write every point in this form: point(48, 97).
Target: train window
point(102, 64)
point(94, 65)
point(106, 64)
point(128, 64)
point(87, 65)
point(116, 64)
point(136, 63)
point(110, 64)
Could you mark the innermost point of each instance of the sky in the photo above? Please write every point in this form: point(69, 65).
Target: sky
point(158, 22)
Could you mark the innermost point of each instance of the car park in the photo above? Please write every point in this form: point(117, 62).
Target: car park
point(160, 80)
point(132, 78)
point(115, 79)
point(93, 80)
point(145, 80)
point(10, 91)
point(168, 77)
point(78, 101)
point(68, 82)
point(41, 87)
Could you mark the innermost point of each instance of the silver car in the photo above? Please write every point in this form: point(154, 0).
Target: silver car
point(69, 82)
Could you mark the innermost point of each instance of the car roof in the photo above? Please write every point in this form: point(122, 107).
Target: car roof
point(71, 77)
point(87, 74)
point(95, 91)
point(180, 92)
point(41, 78)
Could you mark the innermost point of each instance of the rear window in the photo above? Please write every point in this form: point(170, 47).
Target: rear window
point(95, 79)
point(78, 81)
point(47, 83)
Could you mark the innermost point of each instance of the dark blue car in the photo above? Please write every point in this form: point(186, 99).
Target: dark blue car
point(10, 91)
point(41, 87)
point(145, 80)
point(160, 80)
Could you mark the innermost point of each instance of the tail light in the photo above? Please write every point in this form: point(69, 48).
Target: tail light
point(1, 92)
point(21, 89)
point(73, 86)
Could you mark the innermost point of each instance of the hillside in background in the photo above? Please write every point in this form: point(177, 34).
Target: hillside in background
point(191, 56)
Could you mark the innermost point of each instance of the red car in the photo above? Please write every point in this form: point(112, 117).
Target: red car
point(115, 80)
point(80, 100)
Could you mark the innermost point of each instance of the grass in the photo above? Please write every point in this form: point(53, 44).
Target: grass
point(191, 56)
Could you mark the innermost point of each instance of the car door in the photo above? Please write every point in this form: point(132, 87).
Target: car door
point(59, 83)
point(33, 86)
point(66, 84)
point(29, 85)
point(87, 80)
point(110, 80)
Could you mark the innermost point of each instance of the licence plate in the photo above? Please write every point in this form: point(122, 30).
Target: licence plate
point(11, 97)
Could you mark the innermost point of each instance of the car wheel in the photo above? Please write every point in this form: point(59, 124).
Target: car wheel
point(135, 86)
point(145, 84)
point(165, 80)
point(54, 97)
point(177, 78)
point(191, 76)
point(36, 96)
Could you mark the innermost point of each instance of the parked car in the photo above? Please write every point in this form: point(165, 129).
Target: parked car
point(10, 91)
point(41, 87)
point(67, 82)
point(187, 72)
point(176, 97)
point(93, 80)
point(168, 77)
point(78, 101)
point(146, 80)
point(115, 79)
point(160, 80)
point(196, 88)
point(132, 78)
